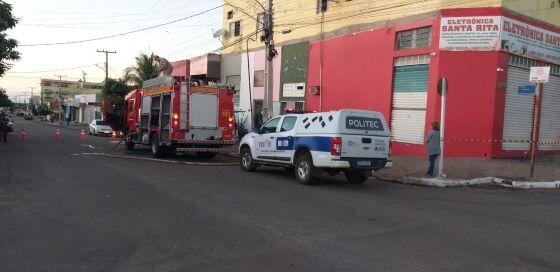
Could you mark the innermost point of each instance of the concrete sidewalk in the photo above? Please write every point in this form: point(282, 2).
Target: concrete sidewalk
point(547, 168)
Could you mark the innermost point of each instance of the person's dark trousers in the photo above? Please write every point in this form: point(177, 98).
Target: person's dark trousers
point(433, 159)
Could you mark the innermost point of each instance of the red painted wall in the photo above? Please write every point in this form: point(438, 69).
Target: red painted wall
point(471, 102)
point(358, 73)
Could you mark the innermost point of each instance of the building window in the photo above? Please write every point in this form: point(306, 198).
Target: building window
point(235, 28)
point(230, 15)
point(260, 21)
point(259, 78)
point(414, 38)
point(554, 69)
point(322, 6)
point(522, 62)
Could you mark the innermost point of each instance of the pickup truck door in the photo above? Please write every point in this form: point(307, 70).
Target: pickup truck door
point(265, 142)
point(285, 139)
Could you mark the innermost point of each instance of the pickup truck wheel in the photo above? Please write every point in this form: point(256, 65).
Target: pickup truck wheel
point(156, 150)
point(356, 177)
point(246, 160)
point(128, 144)
point(205, 155)
point(305, 171)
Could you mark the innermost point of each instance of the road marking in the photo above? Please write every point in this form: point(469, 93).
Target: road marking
point(90, 146)
point(86, 153)
point(170, 161)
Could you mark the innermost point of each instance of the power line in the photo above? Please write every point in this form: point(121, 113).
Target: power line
point(53, 70)
point(125, 33)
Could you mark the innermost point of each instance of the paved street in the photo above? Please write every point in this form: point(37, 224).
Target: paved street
point(65, 212)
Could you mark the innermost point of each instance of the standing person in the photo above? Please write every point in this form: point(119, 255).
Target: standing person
point(433, 142)
point(3, 127)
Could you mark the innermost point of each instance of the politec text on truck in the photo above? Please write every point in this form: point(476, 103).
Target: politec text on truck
point(172, 116)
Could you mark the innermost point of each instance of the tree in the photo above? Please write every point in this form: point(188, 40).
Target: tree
point(43, 110)
point(4, 99)
point(146, 67)
point(114, 89)
point(7, 45)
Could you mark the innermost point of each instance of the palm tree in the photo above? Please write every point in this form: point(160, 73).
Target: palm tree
point(146, 68)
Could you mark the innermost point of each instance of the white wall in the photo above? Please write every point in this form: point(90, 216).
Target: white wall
point(244, 98)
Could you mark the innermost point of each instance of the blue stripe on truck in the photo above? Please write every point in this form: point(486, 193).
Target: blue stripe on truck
point(314, 143)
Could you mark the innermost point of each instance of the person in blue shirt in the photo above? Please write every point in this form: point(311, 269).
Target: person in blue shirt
point(433, 143)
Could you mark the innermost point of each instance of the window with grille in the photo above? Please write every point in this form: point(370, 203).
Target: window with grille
point(554, 69)
point(235, 28)
point(230, 15)
point(522, 62)
point(414, 38)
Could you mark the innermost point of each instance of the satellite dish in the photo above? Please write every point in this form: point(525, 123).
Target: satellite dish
point(218, 33)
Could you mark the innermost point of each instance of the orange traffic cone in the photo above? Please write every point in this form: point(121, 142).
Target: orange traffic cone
point(57, 135)
point(114, 136)
point(82, 135)
point(23, 134)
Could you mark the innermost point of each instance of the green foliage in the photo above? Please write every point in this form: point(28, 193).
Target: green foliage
point(7, 45)
point(4, 99)
point(43, 110)
point(241, 128)
point(114, 89)
point(146, 67)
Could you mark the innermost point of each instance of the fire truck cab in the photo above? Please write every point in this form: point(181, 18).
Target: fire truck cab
point(172, 116)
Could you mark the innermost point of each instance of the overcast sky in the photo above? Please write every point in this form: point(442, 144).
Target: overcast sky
point(54, 21)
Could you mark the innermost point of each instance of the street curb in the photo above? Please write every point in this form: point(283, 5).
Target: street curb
point(443, 183)
point(169, 161)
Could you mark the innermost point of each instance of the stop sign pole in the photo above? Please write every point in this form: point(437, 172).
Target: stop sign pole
point(538, 75)
point(442, 90)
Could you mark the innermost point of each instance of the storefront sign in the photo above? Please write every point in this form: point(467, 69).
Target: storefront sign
point(539, 74)
point(530, 41)
point(528, 90)
point(470, 33)
point(490, 33)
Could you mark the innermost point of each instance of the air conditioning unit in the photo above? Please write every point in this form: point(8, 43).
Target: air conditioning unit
point(316, 90)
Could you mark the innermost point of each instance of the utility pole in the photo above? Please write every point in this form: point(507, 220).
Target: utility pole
point(268, 37)
point(30, 97)
point(106, 60)
point(60, 97)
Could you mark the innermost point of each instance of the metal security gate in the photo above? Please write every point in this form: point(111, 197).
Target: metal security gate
point(410, 94)
point(550, 115)
point(519, 110)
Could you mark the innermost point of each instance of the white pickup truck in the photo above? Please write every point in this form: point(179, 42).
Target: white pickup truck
point(352, 141)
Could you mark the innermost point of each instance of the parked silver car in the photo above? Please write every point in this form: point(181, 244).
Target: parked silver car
point(96, 127)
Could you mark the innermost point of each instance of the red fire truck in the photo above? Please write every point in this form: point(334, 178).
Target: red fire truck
point(173, 116)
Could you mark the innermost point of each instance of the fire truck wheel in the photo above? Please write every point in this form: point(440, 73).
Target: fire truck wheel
point(156, 149)
point(129, 145)
point(246, 160)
